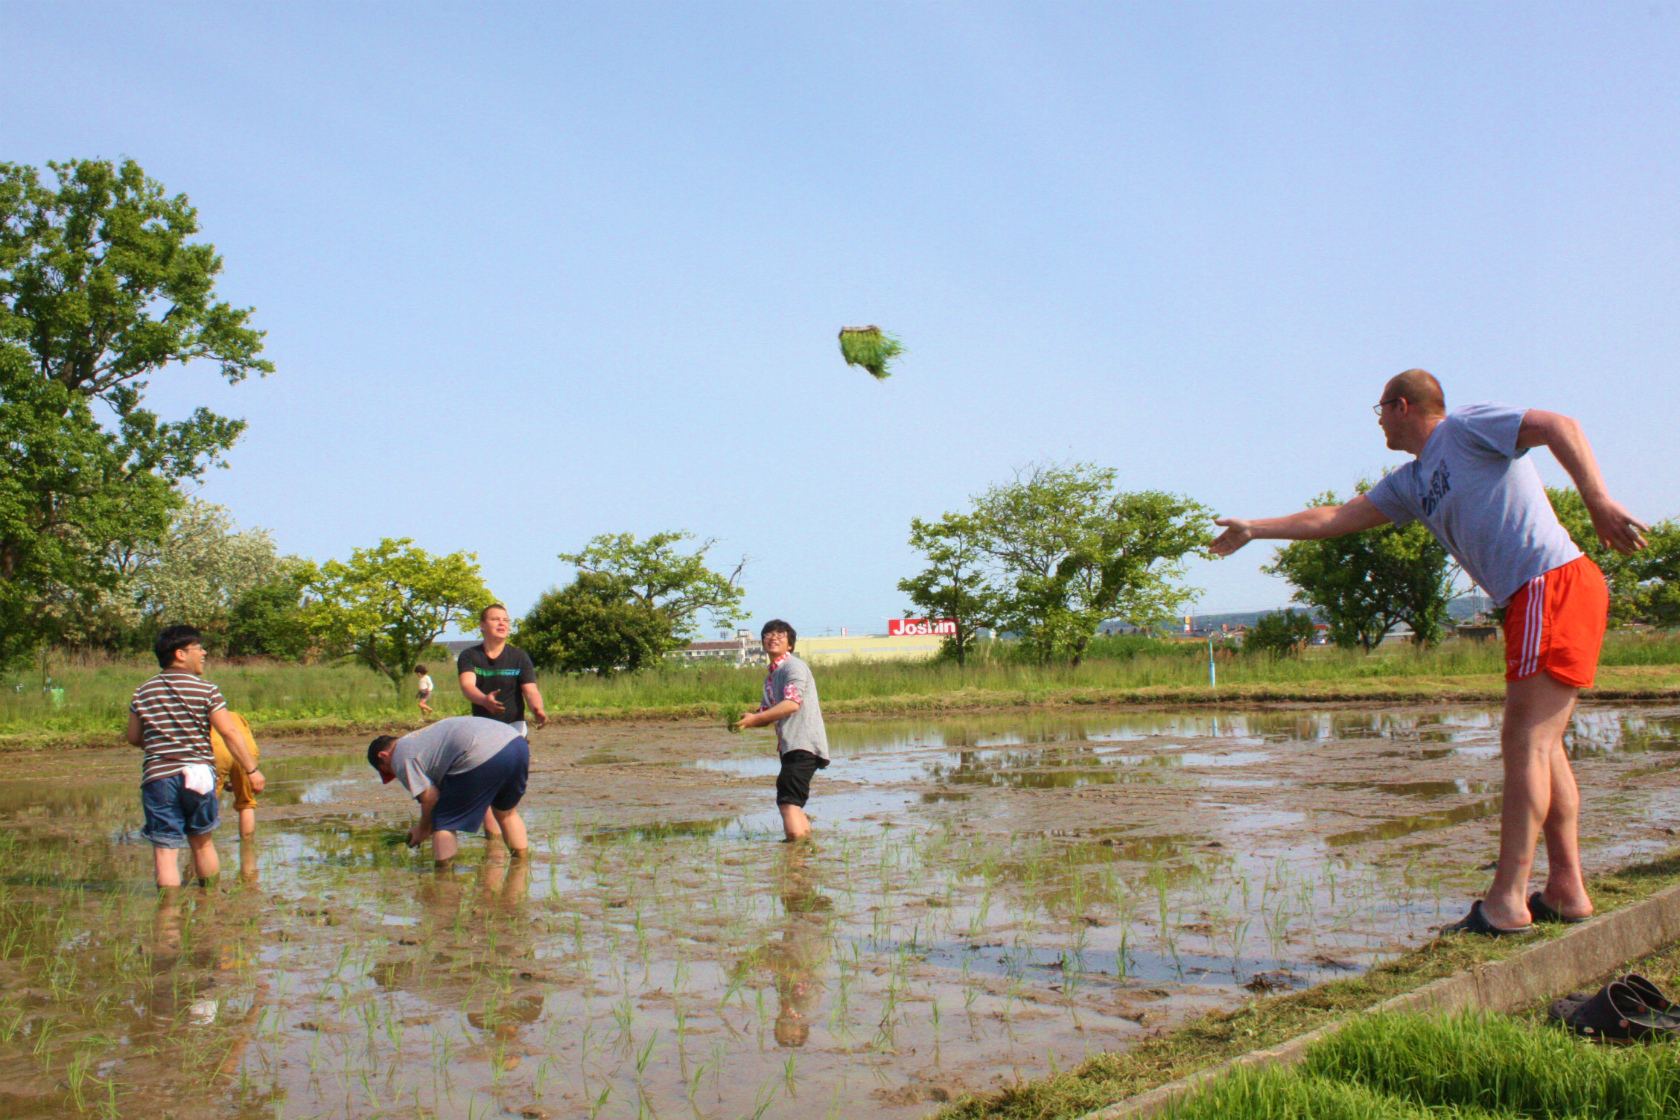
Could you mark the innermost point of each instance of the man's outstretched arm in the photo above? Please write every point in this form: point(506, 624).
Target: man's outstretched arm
point(1308, 525)
point(1615, 526)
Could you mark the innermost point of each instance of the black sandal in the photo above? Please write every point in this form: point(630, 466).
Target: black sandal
point(1475, 922)
point(1615, 1013)
point(1538, 909)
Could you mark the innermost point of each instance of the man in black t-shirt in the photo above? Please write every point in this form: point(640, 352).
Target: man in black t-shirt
point(499, 682)
point(498, 679)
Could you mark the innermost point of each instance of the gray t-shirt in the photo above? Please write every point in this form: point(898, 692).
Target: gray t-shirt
point(1475, 489)
point(803, 730)
point(424, 758)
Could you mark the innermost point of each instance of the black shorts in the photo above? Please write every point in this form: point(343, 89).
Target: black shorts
point(496, 784)
point(793, 784)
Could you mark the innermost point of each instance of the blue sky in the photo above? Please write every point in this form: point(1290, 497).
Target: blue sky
point(531, 273)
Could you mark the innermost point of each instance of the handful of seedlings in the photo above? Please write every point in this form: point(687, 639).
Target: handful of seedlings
point(871, 348)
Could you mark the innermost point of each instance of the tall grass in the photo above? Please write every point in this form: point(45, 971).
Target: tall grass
point(1399, 1066)
point(96, 692)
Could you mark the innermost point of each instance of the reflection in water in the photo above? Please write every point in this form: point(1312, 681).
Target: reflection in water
point(473, 951)
point(1405, 826)
point(797, 956)
point(291, 781)
point(975, 732)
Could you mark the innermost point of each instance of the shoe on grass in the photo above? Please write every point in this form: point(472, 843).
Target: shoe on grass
point(1475, 922)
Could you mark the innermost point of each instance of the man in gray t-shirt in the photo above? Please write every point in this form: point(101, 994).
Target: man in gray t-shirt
point(1474, 488)
point(458, 769)
point(790, 702)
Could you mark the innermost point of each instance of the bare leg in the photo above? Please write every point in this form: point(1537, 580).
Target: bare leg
point(492, 830)
point(167, 863)
point(443, 845)
point(795, 824)
point(205, 861)
point(1566, 886)
point(248, 859)
point(247, 822)
point(511, 828)
point(1537, 711)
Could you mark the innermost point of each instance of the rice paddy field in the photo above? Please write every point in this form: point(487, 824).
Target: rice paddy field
point(990, 898)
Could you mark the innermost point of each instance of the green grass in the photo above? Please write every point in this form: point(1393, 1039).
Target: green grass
point(1404, 1066)
point(1118, 670)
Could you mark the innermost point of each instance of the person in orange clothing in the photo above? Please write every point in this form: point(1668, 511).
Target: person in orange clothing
point(1472, 485)
point(233, 777)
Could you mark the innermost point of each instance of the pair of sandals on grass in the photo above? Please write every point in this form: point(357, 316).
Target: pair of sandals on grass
point(1631, 1009)
point(1476, 921)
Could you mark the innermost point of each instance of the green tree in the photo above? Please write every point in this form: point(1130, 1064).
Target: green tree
point(201, 567)
point(1280, 633)
point(1066, 552)
point(1362, 584)
point(1657, 571)
point(1642, 586)
point(100, 289)
point(268, 620)
point(677, 585)
point(953, 585)
point(594, 624)
point(389, 603)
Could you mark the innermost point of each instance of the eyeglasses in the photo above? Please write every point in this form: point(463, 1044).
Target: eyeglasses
point(1376, 409)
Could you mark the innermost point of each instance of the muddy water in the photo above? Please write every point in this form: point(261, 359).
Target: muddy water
point(990, 897)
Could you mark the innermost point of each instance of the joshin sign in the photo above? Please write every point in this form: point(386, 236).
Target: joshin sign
point(943, 627)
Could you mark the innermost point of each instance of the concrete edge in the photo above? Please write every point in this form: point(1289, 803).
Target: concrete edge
point(1581, 957)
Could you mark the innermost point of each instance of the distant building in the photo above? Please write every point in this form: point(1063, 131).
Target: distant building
point(817, 651)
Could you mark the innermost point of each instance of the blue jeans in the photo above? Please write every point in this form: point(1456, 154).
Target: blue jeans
point(174, 812)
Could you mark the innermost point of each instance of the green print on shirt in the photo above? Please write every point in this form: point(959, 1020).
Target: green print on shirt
point(497, 672)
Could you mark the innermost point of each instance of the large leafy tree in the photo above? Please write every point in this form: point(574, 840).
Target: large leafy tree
point(953, 585)
point(1657, 569)
point(594, 625)
point(653, 572)
point(269, 619)
point(1067, 551)
point(101, 288)
point(195, 571)
point(1362, 584)
point(389, 603)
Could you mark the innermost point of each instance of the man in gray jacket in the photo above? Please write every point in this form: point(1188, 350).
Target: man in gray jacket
point(790, 702)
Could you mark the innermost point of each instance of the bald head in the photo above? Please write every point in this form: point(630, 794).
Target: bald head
point(1421, 391)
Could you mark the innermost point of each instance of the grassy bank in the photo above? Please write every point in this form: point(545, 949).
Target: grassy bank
point(286, 697)
point(1403, 1067)
point(1270, 1021)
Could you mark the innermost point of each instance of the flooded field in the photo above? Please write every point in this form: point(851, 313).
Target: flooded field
point(989, 898)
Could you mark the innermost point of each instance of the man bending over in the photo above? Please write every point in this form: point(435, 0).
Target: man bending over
point(458, 768)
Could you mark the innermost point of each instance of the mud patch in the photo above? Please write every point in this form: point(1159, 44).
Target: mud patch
point(987, 896)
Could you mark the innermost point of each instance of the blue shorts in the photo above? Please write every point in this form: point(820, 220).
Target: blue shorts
point(174, 812)
point(496, 784)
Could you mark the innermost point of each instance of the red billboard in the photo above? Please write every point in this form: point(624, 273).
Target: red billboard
point(942, 627)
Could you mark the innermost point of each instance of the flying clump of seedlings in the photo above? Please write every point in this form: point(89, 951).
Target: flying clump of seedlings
point(870, 347)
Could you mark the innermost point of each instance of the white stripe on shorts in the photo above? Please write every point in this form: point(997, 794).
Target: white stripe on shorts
point(1534, 618)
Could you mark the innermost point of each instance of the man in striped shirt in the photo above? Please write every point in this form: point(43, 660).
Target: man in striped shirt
point(170, 719)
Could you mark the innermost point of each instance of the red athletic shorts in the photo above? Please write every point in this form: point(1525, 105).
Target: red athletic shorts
point(1556, 623)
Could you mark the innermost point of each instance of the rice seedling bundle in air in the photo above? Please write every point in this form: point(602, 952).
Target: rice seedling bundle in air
point(869, 347)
